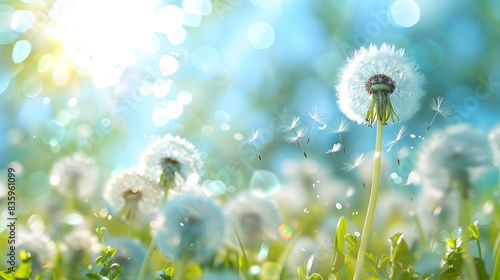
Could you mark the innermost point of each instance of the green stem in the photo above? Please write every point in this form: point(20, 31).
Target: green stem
point(359, 273)
point(152, 245)
point(496, 268)
point(470, 268)
point(147, 258)
point(421, 232)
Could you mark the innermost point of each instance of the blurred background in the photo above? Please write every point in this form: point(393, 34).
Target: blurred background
point(107, 78)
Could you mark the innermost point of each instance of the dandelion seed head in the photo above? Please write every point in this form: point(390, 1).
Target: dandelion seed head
point(256, 220)
point(79, 245)
point(171, 157)
point(40, 246)
point(457, 153)
point(134, 195)
point(191, 227)
point(129, 255)
point(385, 69)
point(75, 175)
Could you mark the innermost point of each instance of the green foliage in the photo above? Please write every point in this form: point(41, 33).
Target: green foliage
point(454, 257)
point(109, 270)
point(22, 272)
point(315, 276)
point(398, 262)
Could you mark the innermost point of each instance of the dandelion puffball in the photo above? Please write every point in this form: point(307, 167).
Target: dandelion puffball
point(76, 175)
point(379, 84)
point(253, 219)
point(452, 156)
point(134, 196)
point(190, 227)
point(170, 160)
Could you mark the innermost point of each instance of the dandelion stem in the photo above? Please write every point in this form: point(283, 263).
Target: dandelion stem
point(152, 244)
point(358, 274)
point(147, 258)
point(257, 151)
point(429, 127)
point(420, 229)
point(470, 268)
point(310, 132)
point(342, 143)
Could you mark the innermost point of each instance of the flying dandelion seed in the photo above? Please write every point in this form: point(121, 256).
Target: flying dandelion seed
point(335, 148)
point(442, 107)
point(395, 141)
point(256, 134)
point(295, 138)
point(342, 126)
point(318, 114)
point(294, 123)
point(358, 160)
point(298, 131)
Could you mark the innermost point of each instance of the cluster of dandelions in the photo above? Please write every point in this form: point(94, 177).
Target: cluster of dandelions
point(378, 85)
point(163, 193)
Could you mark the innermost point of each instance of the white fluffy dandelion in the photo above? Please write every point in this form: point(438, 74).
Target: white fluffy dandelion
point(170, 160)
point(79, 247)
point(133, 196)
point(255, 220)
point(41, 247)
point(494, 138)
point(190, 227)
point(129, 255)
point(453, 156)
point(379, 84)
point(76, 175)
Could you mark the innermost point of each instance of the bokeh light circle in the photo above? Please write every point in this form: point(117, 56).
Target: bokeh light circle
point(44, 63)
point(31, 86)
point(264, 183)
point(159, 117)
point(4, 80)
point(261, 35)
point(22, 20)
point(184, 97)
point(21, 51)
point(170, 19)
point(428, 54)
point(168, 65)
point(404, 13)
point(7, 35)
point(267, 4)
point(173, 109)
point(205, 58)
